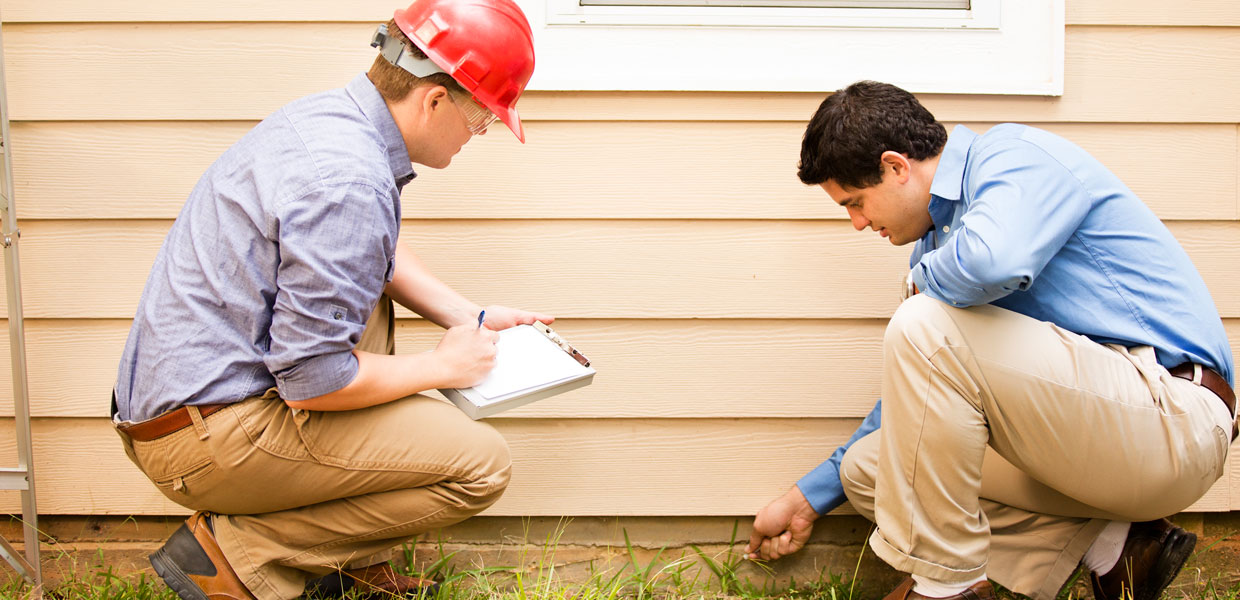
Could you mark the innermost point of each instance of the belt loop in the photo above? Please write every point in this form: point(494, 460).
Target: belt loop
point(199, 424)
point(1197, 374)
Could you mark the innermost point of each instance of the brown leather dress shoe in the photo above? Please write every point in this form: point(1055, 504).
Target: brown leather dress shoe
point(375, 581)
point(1153, 555)
point(981, 590)
point(191, 563)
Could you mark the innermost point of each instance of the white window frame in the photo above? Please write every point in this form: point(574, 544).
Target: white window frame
point(996, 47)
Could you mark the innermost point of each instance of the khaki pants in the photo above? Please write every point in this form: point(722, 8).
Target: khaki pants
point(302, 493)
point(1010, 440)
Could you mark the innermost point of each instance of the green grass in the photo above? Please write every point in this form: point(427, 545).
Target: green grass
point(686, 574)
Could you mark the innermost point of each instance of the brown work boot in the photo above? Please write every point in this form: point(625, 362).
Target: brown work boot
point(1153, 555)
point(191, 563)
point(981, 590)
point(375, 581)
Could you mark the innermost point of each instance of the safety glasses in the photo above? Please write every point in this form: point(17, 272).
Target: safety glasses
point(477, 116)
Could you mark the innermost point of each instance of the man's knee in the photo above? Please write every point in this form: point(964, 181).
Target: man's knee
point(492, 465)
point(912, 319)
point(858, 472)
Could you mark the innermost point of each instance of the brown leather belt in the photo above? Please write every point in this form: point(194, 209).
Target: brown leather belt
point(1211, 381)
point(165, 424)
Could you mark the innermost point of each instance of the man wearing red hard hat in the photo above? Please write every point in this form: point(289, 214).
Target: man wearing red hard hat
point(258, 386)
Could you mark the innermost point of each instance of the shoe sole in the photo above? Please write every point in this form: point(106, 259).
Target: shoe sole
point(175, 578)
point(1176, 550)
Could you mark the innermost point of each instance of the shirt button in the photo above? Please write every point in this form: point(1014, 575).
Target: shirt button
point(337, 315)
point(947, 228)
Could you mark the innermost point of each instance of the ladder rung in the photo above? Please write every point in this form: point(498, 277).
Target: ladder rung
point(12, 478)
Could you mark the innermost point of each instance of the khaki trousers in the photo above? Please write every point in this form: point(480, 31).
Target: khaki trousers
point(301, 493)
point(1010, 441)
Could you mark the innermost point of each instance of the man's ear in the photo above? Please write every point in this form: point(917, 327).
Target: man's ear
point(897, 163)
point(435, 97)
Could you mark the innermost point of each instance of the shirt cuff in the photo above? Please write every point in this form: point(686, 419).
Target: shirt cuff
point(822, 486)
point(317, 376)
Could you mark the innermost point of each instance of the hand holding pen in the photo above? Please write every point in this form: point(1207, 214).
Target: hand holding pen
point(499, 318)
point(467, 353)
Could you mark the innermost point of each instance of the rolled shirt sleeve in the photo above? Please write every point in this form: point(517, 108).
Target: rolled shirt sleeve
point(271, 269)
point(994, 251)
point(336, 243)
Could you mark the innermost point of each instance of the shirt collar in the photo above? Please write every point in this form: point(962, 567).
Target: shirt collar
point(948, 182)
point(949, 176)
point(371, 102)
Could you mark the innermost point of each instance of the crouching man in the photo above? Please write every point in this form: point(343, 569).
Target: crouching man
point(1061, 383)
point(258, 385)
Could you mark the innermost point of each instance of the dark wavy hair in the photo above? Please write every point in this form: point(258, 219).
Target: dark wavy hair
point(854, 126)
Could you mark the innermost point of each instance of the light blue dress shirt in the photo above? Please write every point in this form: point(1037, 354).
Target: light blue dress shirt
point(271, 270)
point(1027, 221)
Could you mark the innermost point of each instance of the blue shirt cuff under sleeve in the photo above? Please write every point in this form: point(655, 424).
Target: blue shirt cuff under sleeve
point(822, 486)
point(316, 376)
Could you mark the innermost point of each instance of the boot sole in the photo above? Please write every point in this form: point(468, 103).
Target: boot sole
point(1178, 547)
point(175, 578)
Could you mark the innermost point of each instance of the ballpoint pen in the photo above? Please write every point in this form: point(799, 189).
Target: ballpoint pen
point(482, 315)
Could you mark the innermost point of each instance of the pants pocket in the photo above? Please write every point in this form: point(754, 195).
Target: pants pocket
point(181, 481)
point(1222, 443)
point(272, 426)
point(180, 465)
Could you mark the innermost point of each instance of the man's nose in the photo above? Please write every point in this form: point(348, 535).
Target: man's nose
point(859, 222)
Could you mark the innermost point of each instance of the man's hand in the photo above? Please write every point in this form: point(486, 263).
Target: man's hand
point(466, 354)
point(500, 318)
point(781, 527)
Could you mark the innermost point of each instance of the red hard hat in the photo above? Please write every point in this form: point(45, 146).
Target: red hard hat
point(485, 45)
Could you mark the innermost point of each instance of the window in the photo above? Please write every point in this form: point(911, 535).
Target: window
point(926, 46)
point(840, 4)
point(788, 3)
point(776, 13)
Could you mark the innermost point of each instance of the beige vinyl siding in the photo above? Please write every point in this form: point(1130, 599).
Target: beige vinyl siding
point(620, 467)
point(820, 369)
point(243, 71)
point(629, 170)
point(1095, 12)
point(615, 467)
point(613, 269)
point(733, 314)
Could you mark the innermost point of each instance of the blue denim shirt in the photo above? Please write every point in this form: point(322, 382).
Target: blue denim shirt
point(271, 270)
point(1028, 221)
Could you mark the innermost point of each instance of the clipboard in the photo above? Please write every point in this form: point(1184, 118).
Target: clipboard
point(532, 362)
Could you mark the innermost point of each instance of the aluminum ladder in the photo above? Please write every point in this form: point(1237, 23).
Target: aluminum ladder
point(20, 477)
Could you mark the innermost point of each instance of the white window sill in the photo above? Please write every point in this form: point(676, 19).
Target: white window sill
point(1001, 47)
